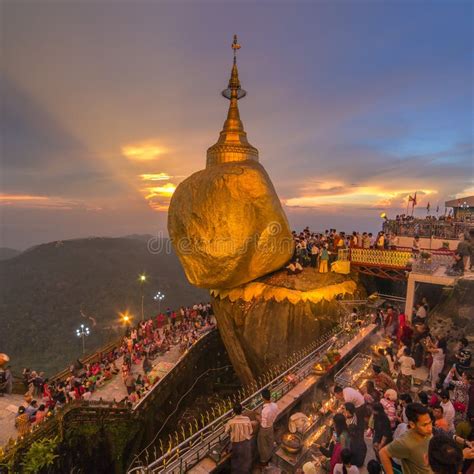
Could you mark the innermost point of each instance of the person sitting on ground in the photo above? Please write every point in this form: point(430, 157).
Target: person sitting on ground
point(22, 421)
point(382, 361)
point(40, 415)
point(382, 380)
point(294, 268)
point(31, 410)
point(457, 268)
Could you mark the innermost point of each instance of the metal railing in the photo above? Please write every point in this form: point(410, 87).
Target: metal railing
point(435, 260)
point(143, 401)
point(78, 411)
point(186, 454)
point(86, 410)
point(426, 228)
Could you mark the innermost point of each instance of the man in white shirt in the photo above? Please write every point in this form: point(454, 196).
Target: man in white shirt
point(240, 429)
point(351, 395)
point(265, 438)
point(448, 409)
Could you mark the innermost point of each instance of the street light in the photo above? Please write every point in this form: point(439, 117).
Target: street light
point(142, 280)
point(126, 318)
point(159, 297)
point(83, 331)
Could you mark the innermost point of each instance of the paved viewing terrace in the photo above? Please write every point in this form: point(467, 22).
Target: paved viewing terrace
point(112, 390)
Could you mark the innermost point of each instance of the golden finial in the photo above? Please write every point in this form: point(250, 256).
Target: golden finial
point(232, 144)
point(233, 89)
point(235, 46)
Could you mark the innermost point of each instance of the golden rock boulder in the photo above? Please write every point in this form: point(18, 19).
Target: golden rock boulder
point(227, 225)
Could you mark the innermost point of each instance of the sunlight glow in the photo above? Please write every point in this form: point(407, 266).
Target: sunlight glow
point(356, 196)
point(166, 190)
point(144, 151)
point(155, 177)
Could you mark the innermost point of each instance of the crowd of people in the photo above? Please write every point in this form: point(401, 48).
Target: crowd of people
point(319, 250)
point(414, 409)
point(413, 429)
point(137, 350)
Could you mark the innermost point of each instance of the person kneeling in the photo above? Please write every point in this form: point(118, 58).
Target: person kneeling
point(294, 268)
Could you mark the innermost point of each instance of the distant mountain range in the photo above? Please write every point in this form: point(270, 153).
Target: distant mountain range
point(6, 253)
point(48, 290)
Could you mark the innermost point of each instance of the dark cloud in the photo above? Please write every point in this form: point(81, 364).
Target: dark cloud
point(39, 156)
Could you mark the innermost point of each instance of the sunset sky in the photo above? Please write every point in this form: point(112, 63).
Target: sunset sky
point(107, 106)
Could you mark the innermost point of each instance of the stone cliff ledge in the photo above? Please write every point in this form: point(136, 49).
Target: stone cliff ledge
point(267, 320)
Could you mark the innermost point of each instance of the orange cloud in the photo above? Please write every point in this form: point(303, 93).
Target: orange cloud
point(155, 177)
point(336, 194)
point(158, 197)
point(144, 151)
point(28, 201)
point(166, 190)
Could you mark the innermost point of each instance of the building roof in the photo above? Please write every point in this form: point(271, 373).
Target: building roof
point(469, 200)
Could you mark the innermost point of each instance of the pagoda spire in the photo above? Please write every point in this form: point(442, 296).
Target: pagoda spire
point(232, 144)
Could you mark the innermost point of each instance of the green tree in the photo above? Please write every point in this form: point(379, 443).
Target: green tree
point(40, 455)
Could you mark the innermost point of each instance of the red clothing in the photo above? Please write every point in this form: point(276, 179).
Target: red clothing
point(160, 320)
point(407, 334)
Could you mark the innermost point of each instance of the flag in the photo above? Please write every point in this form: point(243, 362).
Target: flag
point(428, 207)
point(412, 199)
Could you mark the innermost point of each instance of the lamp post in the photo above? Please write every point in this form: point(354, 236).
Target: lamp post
point(142, 280)
point(126, 320)
point(82, 332)
point(159, 297)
